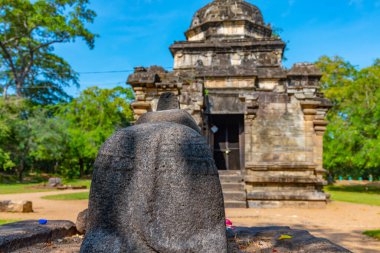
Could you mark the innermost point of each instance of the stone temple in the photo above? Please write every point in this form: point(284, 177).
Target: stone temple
point(263, 122)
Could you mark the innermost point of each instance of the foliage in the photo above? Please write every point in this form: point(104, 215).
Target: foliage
point(352, 141)
point(62, 139)
point(5, 161)
point(30, 133)
point(28, 32)
point(40, 127)
point(91, 119)
point(373, 233)
point(70, 196)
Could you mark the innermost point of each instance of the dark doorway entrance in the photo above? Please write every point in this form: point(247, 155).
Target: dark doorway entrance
point(227, 140)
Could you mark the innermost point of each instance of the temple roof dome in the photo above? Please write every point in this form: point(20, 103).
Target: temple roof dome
point(220, 10)
point(228, 19)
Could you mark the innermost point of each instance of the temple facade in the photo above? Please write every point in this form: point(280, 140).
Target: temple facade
point(264, 123)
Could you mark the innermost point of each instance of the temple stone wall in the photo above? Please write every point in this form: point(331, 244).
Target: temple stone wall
point(281, 154)
point(235, 83)
point(278, 133)
point(189, 60)
point(231, 65)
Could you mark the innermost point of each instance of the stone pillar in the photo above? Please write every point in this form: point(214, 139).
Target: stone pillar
point(252, 107)
point(315, 119)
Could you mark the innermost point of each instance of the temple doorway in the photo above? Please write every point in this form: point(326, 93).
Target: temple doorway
point(227, 140)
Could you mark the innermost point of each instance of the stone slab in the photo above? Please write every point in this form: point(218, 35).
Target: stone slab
point(235, 204)
point(65, 245)
point(234, 196)
point(267, 239)
point(286, 203)
point(16, 206)
point(241, 240)
point(237, 187)
point(230, 179)
point(283, 179)
point(26, 233)
point(294, 195)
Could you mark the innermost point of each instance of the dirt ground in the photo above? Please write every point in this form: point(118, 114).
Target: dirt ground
point(342, 223)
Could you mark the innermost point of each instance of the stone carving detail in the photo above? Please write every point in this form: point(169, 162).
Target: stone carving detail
point(156, 188)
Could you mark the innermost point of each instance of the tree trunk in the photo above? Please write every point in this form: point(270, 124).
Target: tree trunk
point(5, 92)
point(55, 167)
point(18, 89)
point(81, 167)
point(21, 171)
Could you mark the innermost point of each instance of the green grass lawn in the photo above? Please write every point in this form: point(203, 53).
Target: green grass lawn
point(72, 196)
point(355, 194)
point(77, 182)
point(373, 233)
point(3, 222)
point(28, 188)
point(20, 188)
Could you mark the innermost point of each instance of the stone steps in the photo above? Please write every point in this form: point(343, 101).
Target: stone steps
point(233, 189)
point(235, 204)
point(231, 178)
point(228, 186)
point(229, 173)
point(235, 196)
point(294, 196)
point(286, 203)
point(284, 180)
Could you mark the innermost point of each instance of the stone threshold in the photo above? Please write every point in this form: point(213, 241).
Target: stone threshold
point(22, 234)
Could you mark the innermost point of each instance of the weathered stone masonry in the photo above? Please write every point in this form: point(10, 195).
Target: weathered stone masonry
point(264, 123)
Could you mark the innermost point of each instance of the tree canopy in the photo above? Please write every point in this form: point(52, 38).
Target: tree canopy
point(352, 141)
point(63, 138)
point(28, 32)
point(91, 119)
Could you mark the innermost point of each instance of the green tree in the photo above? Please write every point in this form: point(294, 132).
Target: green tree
point(91, 119)
point(352, 141)
point(50, 137)
point(30, 135)
point(28, 32)
point(5, 161)
point(16, 143)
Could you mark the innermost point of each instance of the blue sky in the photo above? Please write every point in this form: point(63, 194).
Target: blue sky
point(139, 33)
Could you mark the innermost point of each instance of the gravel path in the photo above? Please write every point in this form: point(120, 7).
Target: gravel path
point(46, 209)
point(342, 223)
